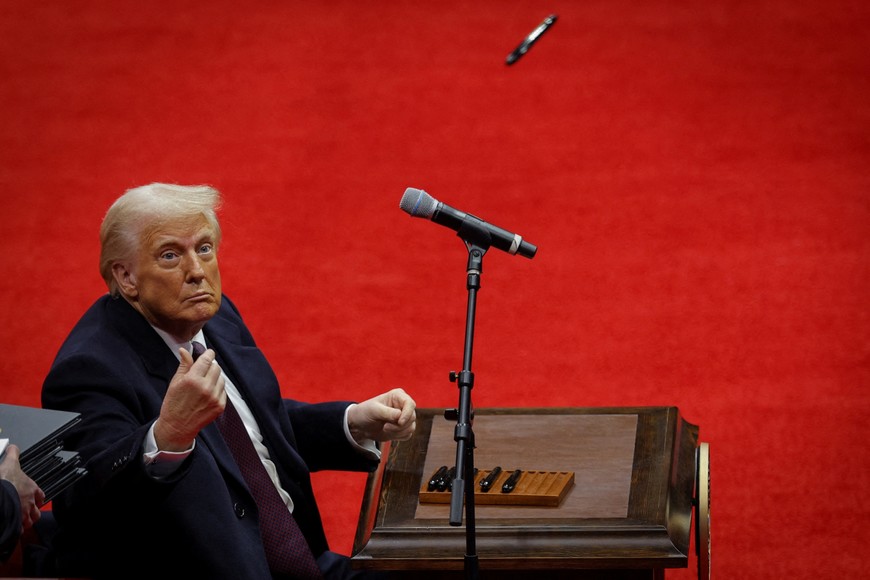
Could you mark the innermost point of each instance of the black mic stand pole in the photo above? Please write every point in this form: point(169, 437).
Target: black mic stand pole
point(463, 484)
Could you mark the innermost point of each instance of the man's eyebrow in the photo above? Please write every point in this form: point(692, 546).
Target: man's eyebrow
point(208, 238)
point(168, 239)
point(205, 233)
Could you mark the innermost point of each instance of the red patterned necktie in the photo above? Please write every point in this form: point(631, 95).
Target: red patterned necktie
point(286, 548)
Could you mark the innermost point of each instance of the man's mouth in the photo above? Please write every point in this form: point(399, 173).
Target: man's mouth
point(200, 297)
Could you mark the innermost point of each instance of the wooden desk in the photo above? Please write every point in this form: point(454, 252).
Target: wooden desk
point(628, 515)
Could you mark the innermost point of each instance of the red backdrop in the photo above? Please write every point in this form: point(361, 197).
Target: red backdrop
point(694, 174)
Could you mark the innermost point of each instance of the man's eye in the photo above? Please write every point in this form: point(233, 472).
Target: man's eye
point(206, 249)
point(168, 256)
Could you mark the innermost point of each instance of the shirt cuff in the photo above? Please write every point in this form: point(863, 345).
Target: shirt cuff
point(368, 447)
point(161, 463)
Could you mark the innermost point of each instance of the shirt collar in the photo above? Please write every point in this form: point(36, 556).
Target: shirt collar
point(174, 345)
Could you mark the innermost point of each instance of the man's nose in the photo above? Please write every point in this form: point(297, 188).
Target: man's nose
point(193, 266)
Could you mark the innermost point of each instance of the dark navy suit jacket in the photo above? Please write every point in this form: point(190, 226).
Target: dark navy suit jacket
point(201, 522)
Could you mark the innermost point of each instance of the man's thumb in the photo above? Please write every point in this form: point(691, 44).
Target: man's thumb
point(186, 361)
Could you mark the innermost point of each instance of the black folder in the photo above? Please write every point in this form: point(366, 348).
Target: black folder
point(38, 433)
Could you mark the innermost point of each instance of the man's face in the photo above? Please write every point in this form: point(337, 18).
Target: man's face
point(174, 280)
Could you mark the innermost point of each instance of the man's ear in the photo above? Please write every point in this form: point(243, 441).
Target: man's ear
point(125, 279)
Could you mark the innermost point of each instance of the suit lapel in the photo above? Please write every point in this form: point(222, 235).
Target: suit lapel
point(249, 371)
point(135, 330)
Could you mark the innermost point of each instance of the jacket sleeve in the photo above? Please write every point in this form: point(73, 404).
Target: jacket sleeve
point(10, 513)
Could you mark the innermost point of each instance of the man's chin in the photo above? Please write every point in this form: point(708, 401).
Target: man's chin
point(206, 311)
point(201, 312)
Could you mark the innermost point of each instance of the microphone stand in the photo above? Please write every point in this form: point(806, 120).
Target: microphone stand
point(477, 242)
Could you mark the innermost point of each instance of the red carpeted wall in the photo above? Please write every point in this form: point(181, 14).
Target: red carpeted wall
point(694, 174)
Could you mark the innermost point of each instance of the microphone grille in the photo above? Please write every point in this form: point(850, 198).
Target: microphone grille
point(418, 203)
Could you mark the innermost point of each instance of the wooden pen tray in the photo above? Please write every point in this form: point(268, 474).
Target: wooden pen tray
point(538, 488)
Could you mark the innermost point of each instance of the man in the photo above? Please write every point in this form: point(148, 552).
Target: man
point(20, 499)
point(166, 494)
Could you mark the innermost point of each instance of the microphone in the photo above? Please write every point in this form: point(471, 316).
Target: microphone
point(418, 203)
